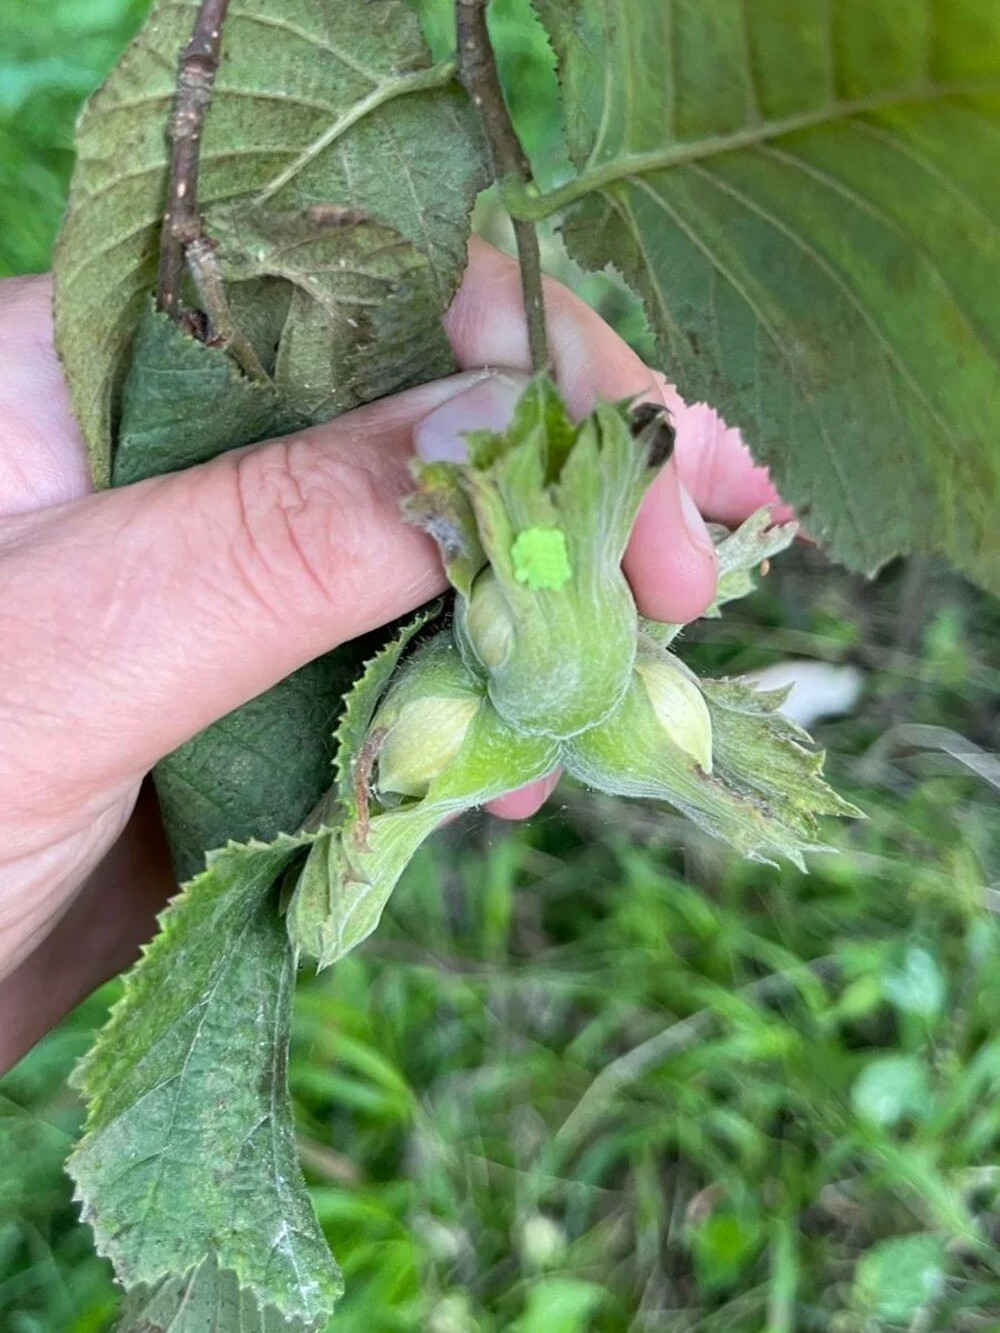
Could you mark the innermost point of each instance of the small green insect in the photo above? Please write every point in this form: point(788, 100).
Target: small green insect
point(541, 559)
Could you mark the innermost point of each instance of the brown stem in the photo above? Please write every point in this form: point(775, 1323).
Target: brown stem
point(364, 767)
point(204, 270)
point(478, 71)
point(181, 221)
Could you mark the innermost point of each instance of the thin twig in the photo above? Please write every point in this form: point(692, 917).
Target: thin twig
point(207, 279)
point(478, 72)
point(181, 221)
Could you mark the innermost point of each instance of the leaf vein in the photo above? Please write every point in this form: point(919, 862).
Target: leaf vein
point(889, 353)
point(279, 24)
point(868, 206)
point(906, 148)
point(778, 342)
point(632, 165)
point(229, 953)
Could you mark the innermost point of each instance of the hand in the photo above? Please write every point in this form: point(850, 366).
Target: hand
point(134, 618)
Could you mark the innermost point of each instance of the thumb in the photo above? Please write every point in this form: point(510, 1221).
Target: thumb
point(136, 617)
point(670, 561)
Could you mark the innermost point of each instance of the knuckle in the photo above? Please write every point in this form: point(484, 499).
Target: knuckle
point(300, 525)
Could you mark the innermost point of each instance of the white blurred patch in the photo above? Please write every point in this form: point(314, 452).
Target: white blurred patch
point(819, 689)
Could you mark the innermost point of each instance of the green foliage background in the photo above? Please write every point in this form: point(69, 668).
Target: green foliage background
point(595, 1073)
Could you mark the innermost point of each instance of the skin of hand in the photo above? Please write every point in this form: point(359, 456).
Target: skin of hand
point(134, 617)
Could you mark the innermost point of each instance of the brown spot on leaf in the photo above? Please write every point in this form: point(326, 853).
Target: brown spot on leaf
point(335, 215)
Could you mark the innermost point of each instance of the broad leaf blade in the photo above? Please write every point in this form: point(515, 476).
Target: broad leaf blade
point(189, 1153)
point(806, 199)
point(260, 770)
point(317, 102)
point(203, 1299)
point(355, 285)
point(183, 402)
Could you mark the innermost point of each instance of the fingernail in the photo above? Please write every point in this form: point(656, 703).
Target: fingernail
point(698, 534)
point(488, 405)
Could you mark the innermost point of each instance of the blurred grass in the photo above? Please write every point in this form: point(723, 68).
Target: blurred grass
point(51, 56)
point(594, 1074)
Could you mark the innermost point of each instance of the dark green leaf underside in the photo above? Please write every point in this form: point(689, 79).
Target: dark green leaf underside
point(183, 402)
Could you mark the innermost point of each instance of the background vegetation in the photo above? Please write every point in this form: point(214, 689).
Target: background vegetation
point(595, 1073)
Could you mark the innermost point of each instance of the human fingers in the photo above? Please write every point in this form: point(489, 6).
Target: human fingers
point(714, 463)
point(135, 617)
point(97, 936)
point(42, 458)
point(671, 560)
point(486, 326)
point(527, 800)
